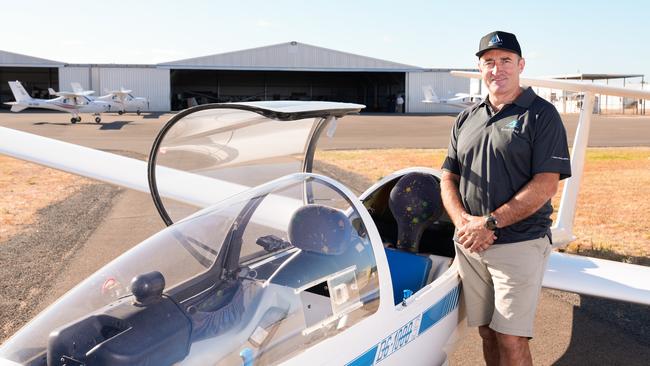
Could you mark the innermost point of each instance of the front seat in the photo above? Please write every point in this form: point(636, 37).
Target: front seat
point(416, 204)
point(324, 235)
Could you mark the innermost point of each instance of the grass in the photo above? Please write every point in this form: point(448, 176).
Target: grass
point(612, 220)
point(613, 214)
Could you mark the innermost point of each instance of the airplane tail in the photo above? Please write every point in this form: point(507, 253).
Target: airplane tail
point(16, 106)
point(20, 94)
point(51, 91)
point(429, 95)
point(76, 87)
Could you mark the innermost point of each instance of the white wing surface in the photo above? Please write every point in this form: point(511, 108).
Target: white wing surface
point(115, 169)
point(574, 86)
point(598, 277)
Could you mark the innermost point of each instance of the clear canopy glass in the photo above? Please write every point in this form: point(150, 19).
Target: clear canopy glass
point(269, 272)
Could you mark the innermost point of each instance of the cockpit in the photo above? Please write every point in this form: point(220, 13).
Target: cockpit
point(264, 271)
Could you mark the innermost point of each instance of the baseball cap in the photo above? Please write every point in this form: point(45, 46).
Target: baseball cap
point(498, 40)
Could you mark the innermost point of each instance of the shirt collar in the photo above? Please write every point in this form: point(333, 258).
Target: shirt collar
point(525, 99)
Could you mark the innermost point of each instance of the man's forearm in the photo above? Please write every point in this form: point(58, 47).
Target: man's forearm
point(451, 198)
point(528, 200)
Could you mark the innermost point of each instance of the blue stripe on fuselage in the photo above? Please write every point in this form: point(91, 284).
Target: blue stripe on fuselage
point(430, 317)
point(438, 311)
point(365, 359)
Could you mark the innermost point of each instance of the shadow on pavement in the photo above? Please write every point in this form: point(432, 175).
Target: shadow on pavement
point(592, 341)
point(114, 125)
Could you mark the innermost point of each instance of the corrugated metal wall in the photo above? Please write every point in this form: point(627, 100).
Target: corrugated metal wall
point(69, 75)
point(444, 85)
point(149, 82)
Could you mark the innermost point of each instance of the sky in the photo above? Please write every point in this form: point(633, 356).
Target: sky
point(557, 37)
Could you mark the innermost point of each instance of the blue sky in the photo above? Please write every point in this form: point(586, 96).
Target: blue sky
point(557, 37)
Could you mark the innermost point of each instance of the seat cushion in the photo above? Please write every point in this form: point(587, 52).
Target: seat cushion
point(408, 271)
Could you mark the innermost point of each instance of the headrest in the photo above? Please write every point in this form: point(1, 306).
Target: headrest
point(415, 203)
point(320, 229)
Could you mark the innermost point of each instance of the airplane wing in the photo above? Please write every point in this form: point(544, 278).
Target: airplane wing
point(74, 94)
point(126, 172)
point(598, 277)
point(574, 86)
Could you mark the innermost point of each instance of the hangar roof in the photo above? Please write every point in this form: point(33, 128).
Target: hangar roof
point(289, 56)
point(10, 59)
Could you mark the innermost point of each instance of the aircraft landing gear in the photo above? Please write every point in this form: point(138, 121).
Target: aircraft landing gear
point(74, 120)
point(138, 112)
point(120, 112)
point(97, 119)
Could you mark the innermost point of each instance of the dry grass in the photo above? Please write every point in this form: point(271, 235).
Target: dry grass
point(25, 188)
point(613, 215)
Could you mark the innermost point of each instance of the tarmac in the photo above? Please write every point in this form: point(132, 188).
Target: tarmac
point(570, 329)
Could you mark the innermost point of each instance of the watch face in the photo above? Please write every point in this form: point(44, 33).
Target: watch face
point(491, 223)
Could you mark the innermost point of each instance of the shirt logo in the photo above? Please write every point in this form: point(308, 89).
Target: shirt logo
point(511, 126)
point(495, 40)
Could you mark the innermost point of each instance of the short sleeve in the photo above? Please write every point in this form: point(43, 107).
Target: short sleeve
point(451, 163)
point(550, 149)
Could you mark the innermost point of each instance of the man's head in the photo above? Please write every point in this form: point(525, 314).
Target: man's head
point(500, 62)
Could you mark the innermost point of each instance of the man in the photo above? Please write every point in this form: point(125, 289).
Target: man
point(399, 104)
point(505, 158)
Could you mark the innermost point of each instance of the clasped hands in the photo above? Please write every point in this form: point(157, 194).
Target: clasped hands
point(473, 234)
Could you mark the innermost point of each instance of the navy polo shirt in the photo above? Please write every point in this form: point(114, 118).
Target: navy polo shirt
point(496, 155)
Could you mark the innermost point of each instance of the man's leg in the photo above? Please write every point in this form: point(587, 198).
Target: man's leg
point(514, 350)
point(491, 351)
point(517, 271)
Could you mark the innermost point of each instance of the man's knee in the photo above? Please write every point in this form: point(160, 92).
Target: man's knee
point(487, 333)
point(511, 342)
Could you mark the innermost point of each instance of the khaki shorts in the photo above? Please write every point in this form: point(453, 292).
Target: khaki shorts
point(501, 285)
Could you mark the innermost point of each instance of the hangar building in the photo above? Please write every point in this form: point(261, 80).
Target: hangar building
point(291, 70)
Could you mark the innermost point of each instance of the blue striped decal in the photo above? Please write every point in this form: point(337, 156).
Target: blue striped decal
point(365, 359)
point(438, 311)
point(428, 319)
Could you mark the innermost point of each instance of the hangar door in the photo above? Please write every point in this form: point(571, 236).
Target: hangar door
point(36, 80)
point(377, 90)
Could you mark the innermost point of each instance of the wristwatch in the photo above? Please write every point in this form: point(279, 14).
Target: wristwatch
point(491, 223)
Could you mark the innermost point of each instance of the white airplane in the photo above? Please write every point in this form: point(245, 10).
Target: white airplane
point(73, 103)
point(121, 100)
point(293, 271)
point(460, 100)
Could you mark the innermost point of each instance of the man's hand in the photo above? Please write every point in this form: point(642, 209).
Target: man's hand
point(473, 235)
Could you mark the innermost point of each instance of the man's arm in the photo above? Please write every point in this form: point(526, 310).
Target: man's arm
point(475, 236)
point(451, 198)
point(528, 200)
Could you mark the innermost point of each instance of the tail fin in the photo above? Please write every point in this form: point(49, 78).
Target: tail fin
point(429, 95)
point(19, 92)
point(52, 92)
point(76, 87)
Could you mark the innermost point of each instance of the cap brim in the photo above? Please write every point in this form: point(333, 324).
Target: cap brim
point(481, 52)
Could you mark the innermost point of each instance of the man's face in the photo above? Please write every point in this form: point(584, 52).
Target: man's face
point(500, 71)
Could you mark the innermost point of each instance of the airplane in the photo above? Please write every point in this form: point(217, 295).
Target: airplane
point(460, 100)
point(73, 103)
point(260, 266)
point(121, 100)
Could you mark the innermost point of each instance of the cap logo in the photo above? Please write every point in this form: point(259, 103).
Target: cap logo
point(495, 40)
